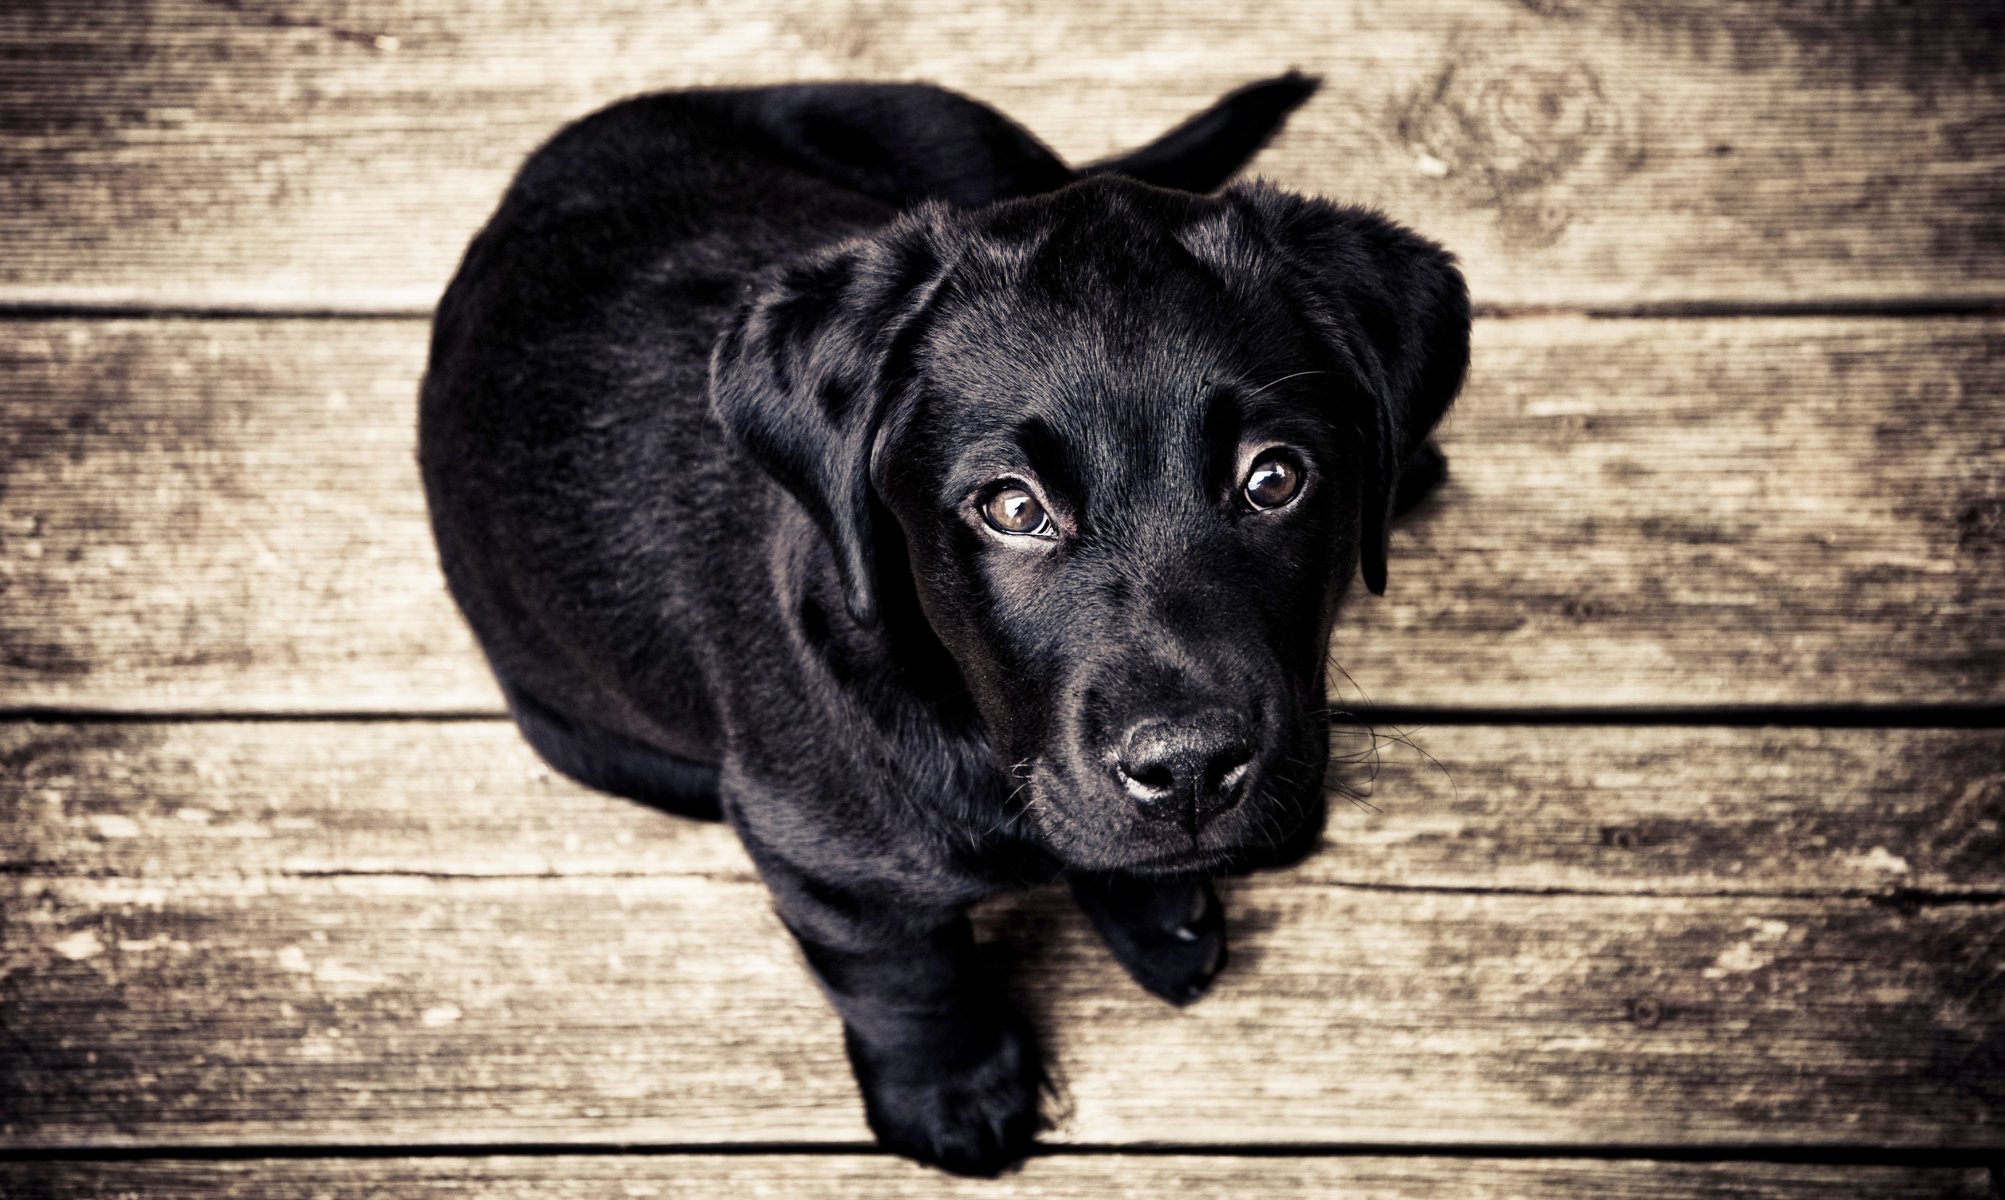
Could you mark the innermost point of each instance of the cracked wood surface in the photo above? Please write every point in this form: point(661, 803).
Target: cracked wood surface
point(225, 516)
point(338, 155)
point(1099, 1177)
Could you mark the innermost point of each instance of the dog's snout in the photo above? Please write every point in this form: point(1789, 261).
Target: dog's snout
point(1188, 769)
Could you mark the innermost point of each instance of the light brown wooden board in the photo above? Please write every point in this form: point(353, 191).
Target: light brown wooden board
point(1665, 811)
point(408, 1009)
point(1573, 152)
point(225, 515)
point(222, 514)
point(1094, 1177)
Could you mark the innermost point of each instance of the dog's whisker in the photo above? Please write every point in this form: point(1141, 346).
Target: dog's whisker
point(1278, 382)
point(1405, 738)
point(1350, 679)
point(1023, 771)
point(1273, 830)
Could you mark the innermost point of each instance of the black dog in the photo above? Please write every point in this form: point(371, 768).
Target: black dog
point(836, 459)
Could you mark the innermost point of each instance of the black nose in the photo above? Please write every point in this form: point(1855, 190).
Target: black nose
point(1187, 768)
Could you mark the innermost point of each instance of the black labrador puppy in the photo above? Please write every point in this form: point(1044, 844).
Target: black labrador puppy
point(836, 460)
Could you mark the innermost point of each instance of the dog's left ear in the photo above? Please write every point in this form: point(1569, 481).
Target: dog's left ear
point(1392, 306)
point(802, 377)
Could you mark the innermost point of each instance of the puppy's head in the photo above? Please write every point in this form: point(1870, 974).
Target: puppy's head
point(1137, 443)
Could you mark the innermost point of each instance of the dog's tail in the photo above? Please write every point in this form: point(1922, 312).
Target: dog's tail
point(1206, 150)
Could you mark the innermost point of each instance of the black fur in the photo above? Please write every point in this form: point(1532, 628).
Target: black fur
point(712, 408)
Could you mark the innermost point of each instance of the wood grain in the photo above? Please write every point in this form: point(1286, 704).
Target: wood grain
point(410, 1009)
point(381, 934)
point(1664, 811)
point(1088, 1177)
point(338, 155)
point(224, 515)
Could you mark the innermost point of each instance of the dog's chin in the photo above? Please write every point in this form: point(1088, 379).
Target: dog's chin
point(1075, 829)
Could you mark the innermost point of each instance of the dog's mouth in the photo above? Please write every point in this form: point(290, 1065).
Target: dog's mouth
point(1194, 862)
point(1080, 846)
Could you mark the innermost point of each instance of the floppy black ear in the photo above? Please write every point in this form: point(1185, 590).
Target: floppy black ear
point(802, 377)
point(1392, 305)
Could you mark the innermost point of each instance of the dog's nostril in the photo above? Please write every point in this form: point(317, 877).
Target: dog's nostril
point(1231, 767)
point(1188, 769)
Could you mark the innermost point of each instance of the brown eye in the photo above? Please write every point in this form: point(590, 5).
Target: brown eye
point(1273, 481)
point(1014, 510)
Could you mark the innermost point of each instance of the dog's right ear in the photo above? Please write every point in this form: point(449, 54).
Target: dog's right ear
point(802, 377)
point(1393, 307)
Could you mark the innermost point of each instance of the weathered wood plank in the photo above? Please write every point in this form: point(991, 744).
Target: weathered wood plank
point(405, 1009)
point(1089, 1177)
point(221, 514)
point(1707, 512)
point(1666, 811)
point(225, 515)
point(340, 154)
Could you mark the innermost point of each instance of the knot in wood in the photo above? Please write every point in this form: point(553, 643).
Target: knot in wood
point(1646, 1012)
point(1520, 135)
point(1540, 121)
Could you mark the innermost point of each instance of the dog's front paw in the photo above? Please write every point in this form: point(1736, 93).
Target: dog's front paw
point(967, 1103)
point(1170, 937)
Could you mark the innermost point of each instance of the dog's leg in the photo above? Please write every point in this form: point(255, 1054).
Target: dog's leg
point(1170, 936)
point(949, 1069)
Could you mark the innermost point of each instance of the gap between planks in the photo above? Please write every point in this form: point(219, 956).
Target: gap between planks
point(1730, 716)
point(1868, 308)
point(1123, 1172)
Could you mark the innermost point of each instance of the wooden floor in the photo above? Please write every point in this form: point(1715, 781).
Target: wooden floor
point(1686, 878)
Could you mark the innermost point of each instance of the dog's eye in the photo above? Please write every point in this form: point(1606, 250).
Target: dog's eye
point(1275, 478)
point(1014, 510)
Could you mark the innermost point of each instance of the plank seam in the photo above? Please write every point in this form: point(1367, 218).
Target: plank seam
point(1872, 308)
point(1806, 1154)
point(1706, 310)
point(1903, 899)
point(32, 311)
point(1905, 716)
point(1950, 715)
